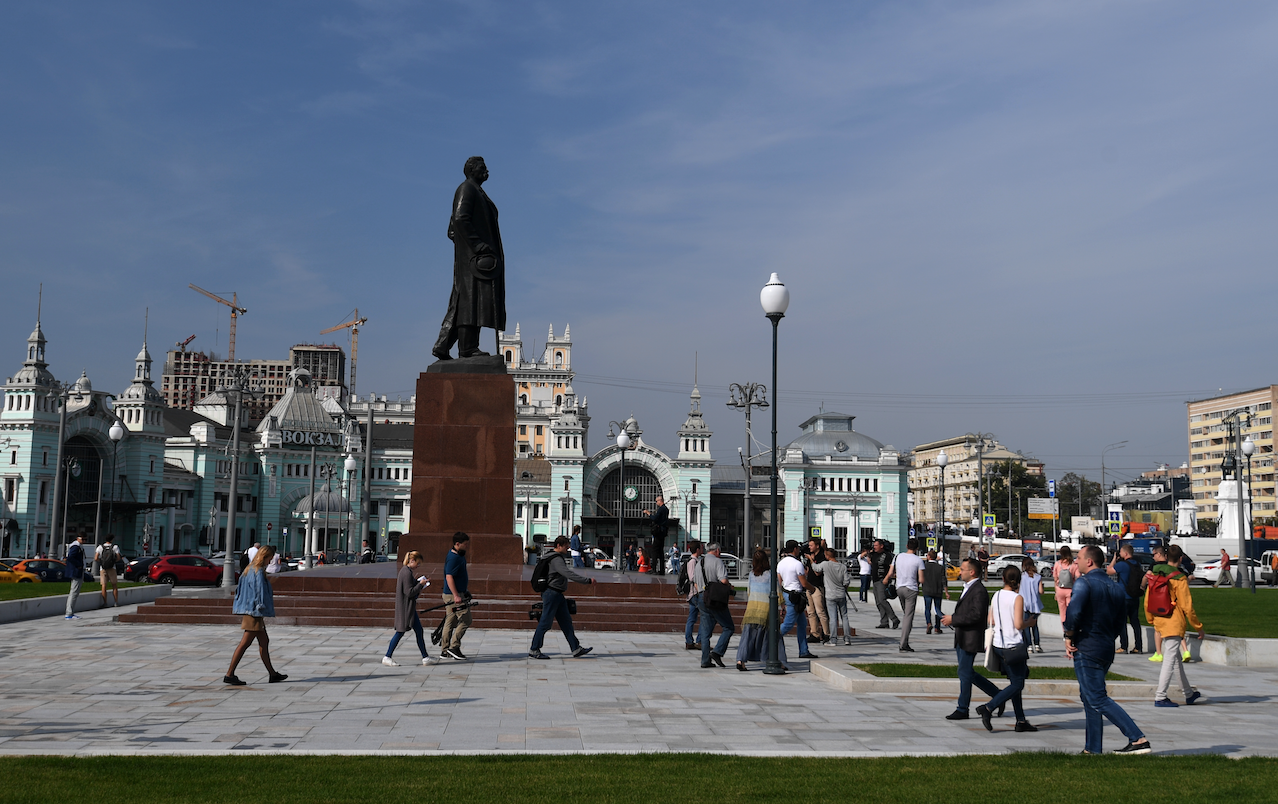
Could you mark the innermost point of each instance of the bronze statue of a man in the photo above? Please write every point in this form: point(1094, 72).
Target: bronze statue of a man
point(479, 268)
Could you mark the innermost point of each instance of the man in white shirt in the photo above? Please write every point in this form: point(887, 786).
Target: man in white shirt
point(794, 583)
point(252, 551)
point(107, 556)
point(907, 569)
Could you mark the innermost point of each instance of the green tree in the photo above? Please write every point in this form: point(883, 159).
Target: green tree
point(1024, 486)
point(1067, 492)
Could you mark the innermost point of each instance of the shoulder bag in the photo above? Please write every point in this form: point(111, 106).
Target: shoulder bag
point(716, 594)
point(1016, 654)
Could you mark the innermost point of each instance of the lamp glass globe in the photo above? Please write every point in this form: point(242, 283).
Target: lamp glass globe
point(942, 459)
point(623, 440)
point(1249, 447)
point(349, 464)
point(116, 432)
point(774, 297)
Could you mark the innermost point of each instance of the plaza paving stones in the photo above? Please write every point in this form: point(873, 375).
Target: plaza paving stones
point(96, 687)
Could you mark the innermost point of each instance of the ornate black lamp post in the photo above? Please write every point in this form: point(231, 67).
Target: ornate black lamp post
point(775, 299)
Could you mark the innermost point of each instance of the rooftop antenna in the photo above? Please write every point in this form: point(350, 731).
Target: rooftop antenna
point(695, 363)
point(39, 303)
point(146, 323)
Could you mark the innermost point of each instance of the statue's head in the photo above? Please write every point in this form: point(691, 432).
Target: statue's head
point(476, 169)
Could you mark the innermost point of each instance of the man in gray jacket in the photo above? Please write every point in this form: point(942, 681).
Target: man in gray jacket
point(710, 569)
point(554, 606)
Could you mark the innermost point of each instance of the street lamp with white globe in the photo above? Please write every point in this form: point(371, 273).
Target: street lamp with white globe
point(941, 461)
point(775, 299)
point(623, 443)
point(116, 433)
point(349, 482)
point(1248, 449)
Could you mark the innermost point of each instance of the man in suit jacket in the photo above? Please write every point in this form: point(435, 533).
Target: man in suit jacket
point(659, 523)
point(968, 623)
point(479, 267)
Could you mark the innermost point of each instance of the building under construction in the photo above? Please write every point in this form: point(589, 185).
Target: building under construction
point(190, 377)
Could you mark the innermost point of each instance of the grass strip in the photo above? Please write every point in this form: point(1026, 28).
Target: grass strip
point(1225, 612)
point(891, 670)
point(643, 779)
point(24, 591)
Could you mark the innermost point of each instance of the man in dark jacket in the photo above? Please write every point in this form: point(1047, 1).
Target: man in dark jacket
point(478, 297)
point(1096, 612)
point(75, 570)
point(968, 624)
point(880, 564)
point(554, 606)
point(659, 523)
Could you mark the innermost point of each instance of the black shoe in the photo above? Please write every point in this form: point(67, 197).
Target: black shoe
point(580, 651)
point(452, 653)
point(1002, 708)
point(707, 664)
point(716, 658)
point(689, 646)
point(234, 681)
point(956, 715)
point(1136, 748)
point(906, 649)
point(741, 666)
point(896, 626)
point(1024, 725)
point(882, 625)
point(808, 656)
point(536, 654)
point(986, 717)
point(277, 677)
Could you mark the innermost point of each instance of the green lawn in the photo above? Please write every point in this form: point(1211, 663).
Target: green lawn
point(1225, 612)
point(884, 670)
point(22, 591)
point(643, 779)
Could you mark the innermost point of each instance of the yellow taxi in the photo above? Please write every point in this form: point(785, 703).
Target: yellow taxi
point(9, 575)
point(951, 572)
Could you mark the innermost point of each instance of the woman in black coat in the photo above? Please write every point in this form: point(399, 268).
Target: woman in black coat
point(407, 587)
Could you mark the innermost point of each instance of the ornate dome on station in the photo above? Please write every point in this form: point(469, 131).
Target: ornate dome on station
point(832, 434)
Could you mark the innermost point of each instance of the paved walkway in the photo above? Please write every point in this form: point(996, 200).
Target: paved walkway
point(94, 687)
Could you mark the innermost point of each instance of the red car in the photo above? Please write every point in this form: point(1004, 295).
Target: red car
point(175, 570)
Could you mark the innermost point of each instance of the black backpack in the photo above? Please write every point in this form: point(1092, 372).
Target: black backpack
point(1135, 574)
point(683, 584)
point(541, 574)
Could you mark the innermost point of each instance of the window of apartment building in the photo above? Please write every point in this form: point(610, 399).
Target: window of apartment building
point(523, 448)
point(44, 458)
point(523, 428)
point(539, 448)
point(539, 429)
point(876, 484)
point(840, 539)
point(44, 492)
point(565, 484)
point(13, 458)
point(694, 515)
point(563, 510)
point(396, 507)
point(574, 442)
point(559, 442)
point(10, 491)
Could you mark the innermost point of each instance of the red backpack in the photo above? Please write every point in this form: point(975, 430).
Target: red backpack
point(1158, 599)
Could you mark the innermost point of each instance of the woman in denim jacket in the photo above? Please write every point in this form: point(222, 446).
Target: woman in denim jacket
point(254, 602)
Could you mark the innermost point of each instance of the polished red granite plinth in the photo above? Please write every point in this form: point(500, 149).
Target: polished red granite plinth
point(464, 468)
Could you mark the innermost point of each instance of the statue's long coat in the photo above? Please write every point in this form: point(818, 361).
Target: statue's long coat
point(479, 296)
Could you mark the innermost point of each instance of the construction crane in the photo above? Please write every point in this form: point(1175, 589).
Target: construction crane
point(353, 325)
point(236, 312)
point(181, 345)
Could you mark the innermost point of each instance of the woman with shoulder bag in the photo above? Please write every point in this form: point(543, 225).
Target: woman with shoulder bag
point(1007, 616)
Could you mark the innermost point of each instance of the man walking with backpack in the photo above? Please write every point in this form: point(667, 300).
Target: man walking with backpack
point(1129, 574)
point(1170, 609)
point(550, 578)
point(709, 581)
point(684, 586)
point(107, 556)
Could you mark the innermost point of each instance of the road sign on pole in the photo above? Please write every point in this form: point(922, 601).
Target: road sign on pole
point(1051, 488)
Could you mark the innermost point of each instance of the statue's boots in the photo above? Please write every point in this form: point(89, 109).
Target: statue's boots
point(468, 342)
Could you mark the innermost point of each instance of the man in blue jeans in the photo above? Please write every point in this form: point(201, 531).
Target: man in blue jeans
point(554, 606)
point(1096, 612)
point(968, 624)
point(794, 582)
point(710, 570)
point(694, 599)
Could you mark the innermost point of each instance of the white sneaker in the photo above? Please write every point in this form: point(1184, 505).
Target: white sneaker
point(389, 662)
point(427, 660)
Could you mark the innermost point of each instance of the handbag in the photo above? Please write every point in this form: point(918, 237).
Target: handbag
point(890, 590)
point(993, 662)
point(1014, 654)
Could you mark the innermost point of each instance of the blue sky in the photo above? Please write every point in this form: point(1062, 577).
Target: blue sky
point(1038, 219)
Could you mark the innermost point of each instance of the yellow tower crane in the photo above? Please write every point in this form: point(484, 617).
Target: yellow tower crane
point(353, 325)
point(236, 312)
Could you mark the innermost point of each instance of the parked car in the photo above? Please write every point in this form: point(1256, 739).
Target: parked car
point(49, 570)
point(138, 568)
point(9, 575)
point(1209, 572)
point(175, 570)
point(1266, 570)
point(998, 563)
point(601, 559)
point(731, 563)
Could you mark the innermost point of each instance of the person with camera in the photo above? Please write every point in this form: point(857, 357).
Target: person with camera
point(880, 565)
point(711, 583)
point(554, 605)
point(794, 584)
point(818, 618)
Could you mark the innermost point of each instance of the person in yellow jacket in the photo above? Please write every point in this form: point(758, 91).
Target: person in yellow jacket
point(1171, 628)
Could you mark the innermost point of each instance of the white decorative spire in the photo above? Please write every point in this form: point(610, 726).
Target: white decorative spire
point(551, 337)
point(567, 330)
